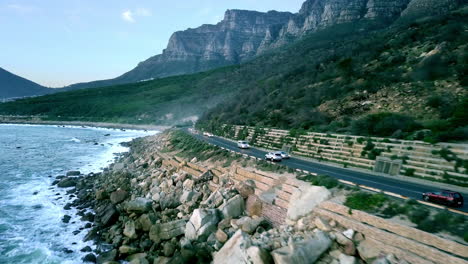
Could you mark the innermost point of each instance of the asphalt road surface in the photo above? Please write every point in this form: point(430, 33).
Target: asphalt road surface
point(408, 189)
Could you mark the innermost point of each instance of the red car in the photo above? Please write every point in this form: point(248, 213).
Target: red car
point(445, 197)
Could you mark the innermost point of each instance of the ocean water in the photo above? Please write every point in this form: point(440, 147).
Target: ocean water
point(31, 210)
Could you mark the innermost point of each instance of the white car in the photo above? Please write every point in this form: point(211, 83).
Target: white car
point(273, 156)
point(208, 134)
point(283, 154)
point(243, 144)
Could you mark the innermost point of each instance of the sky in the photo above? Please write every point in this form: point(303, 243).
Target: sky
point(61, 42)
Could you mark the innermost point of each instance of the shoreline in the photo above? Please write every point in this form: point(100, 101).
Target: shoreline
point(85, 124)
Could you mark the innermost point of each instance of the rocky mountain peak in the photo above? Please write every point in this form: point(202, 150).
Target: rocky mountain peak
point(244, 34)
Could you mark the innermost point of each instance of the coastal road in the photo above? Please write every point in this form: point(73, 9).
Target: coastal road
point(394, 185)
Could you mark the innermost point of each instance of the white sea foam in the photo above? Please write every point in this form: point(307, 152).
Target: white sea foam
point(38, 235)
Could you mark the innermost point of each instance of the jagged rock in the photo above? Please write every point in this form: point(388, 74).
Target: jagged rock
point(348, 244)
point(107, 214)
point(235, 250)
point(367, 250)
point(202, 223)
point(118, 196)
point(139, 205)
point(188, 184)
point(233, 207)
point(167, 231)
point(322, 224)
point(307, 251)
point(349, 233)
point(106, 256)
point(214, 200)
point(170, 201)
point(129, 229)
point(345, 259)
point(305, 199)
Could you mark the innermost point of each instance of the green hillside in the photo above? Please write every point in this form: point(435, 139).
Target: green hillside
point(340, 79)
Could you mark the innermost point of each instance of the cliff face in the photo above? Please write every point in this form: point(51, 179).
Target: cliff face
point(242, 35)
point(233, 40)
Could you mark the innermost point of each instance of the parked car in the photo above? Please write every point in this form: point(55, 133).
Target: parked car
point(445, 197)
point(283, 154)
point(208, 134)
point(273, 156)
point(243, 144)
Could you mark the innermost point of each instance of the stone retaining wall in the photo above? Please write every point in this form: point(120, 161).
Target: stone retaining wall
point(410, 158)
point(415, 244)
point(272, 196)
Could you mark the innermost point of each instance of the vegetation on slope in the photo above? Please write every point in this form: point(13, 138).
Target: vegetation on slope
point(391, 82)
point(340, 79)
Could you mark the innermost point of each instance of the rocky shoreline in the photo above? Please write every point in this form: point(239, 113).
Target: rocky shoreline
point(146, 212)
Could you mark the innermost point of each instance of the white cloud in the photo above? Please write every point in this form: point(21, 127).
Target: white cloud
point(127, 15)
point(130, 15)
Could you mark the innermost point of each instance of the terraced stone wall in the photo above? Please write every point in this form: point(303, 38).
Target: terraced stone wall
point(442, 161)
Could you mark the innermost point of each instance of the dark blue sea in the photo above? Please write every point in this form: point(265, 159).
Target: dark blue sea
point(31, 210)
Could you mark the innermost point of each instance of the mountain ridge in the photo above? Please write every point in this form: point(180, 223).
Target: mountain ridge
point(13, 86)
point(243, 34)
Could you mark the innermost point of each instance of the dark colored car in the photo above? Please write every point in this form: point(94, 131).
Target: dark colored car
point(445, 197)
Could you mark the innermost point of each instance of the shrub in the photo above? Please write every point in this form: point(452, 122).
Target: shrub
point(409, 172)
point(384, 124)
point(325, 181)
point(365, 201)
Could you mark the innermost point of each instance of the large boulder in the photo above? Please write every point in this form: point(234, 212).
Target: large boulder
point(233, 208)
point(305, 199)
point(67, 182)
point(139, 205)
point(235, 249)
point(107, 214)
point(307, 251)
point(167, 231)
point(254, 206)
point(202, 223)
point(367, 250)
point(118, 196)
